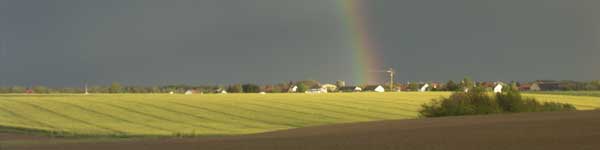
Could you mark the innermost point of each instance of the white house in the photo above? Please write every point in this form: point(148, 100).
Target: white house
point(329, 87)
point(293, 89)
point(375, 88)
point(316, 91)
point(189, 92)
point(357, 89)
point(379, 89)
point(424, 88)
point(498, 88)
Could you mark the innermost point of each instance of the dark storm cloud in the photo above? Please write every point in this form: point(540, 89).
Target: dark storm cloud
point(66, 42)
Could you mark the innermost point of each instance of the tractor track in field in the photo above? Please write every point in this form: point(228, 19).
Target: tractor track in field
point(180, 112)
point(363, 103)
point(154, 116)
point(72, 118)
point(313, 107)
point(115, 117)
point(27, 118)
point(381, 100)
point(261, 112)
point(233, 115)
point(290, 110)
point(219, 121)
point(324, 102)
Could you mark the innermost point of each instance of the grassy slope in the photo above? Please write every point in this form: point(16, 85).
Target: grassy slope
point(143, 115)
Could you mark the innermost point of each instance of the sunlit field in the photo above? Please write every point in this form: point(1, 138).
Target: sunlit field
point(572, 93)
point(213, 114)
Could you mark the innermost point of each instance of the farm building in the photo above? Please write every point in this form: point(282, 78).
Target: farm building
point(375, 88)
point(424, 88)
point(525, 87)
point(293, 89)
point(190, 92)
point(498, 88)
point(540, 86)
point(316, 91)
point(329, 87)
point(350, 89)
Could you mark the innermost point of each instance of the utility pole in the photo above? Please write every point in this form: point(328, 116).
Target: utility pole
point(391, 72)
point(86, 89)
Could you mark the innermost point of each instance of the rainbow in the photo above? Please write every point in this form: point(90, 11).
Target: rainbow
point(363, 49)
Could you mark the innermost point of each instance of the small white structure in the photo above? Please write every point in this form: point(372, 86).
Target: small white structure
point(316, 91)
point(262, 93)
point(171, 92)
point(189, 92)
point(498, 88)
point(379, 89)
point(223, 92)
point(424, 88)
point(357, 89)
point(293, 89)
point(329, 87)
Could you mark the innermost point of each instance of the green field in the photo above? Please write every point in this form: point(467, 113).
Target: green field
point(212, 114)
point(572, 93)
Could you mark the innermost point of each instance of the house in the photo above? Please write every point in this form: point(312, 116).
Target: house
point(220, 91)
point(375, 88)
point(329, 87)
point(525, 87)
point(436, 85)
point(498, 88)
point(316, 91)
point(350, 89)
point(424, 88)
point(549, 86)
point(541, 86)
point(190, 92)
point(293, 89)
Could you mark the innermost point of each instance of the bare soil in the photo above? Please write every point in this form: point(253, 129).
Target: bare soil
point(527, 131)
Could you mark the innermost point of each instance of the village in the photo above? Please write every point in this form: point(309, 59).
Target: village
point(313, 87)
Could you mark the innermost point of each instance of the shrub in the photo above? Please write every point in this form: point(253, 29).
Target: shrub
point(477, 102)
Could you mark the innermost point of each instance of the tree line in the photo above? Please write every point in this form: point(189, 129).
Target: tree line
point(283, 87)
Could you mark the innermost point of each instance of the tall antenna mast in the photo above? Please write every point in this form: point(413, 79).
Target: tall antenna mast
point(391, 72)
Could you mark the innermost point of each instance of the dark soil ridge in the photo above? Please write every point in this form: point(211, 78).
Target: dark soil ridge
point(531, 131)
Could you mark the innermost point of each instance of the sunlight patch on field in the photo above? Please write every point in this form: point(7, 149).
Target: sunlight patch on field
point(214, 114)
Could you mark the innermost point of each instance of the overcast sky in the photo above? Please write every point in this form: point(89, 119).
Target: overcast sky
point(150, 42)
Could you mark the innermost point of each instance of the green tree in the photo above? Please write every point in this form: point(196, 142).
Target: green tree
point(40, 89)
point(4, 90)
point(467, 83)
point(250, 88)
point(17, 89)
point(413, 86)
point(309, 83)
point(451, 86)
point(301, 88)
point(236, 88)
point(115, 87)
